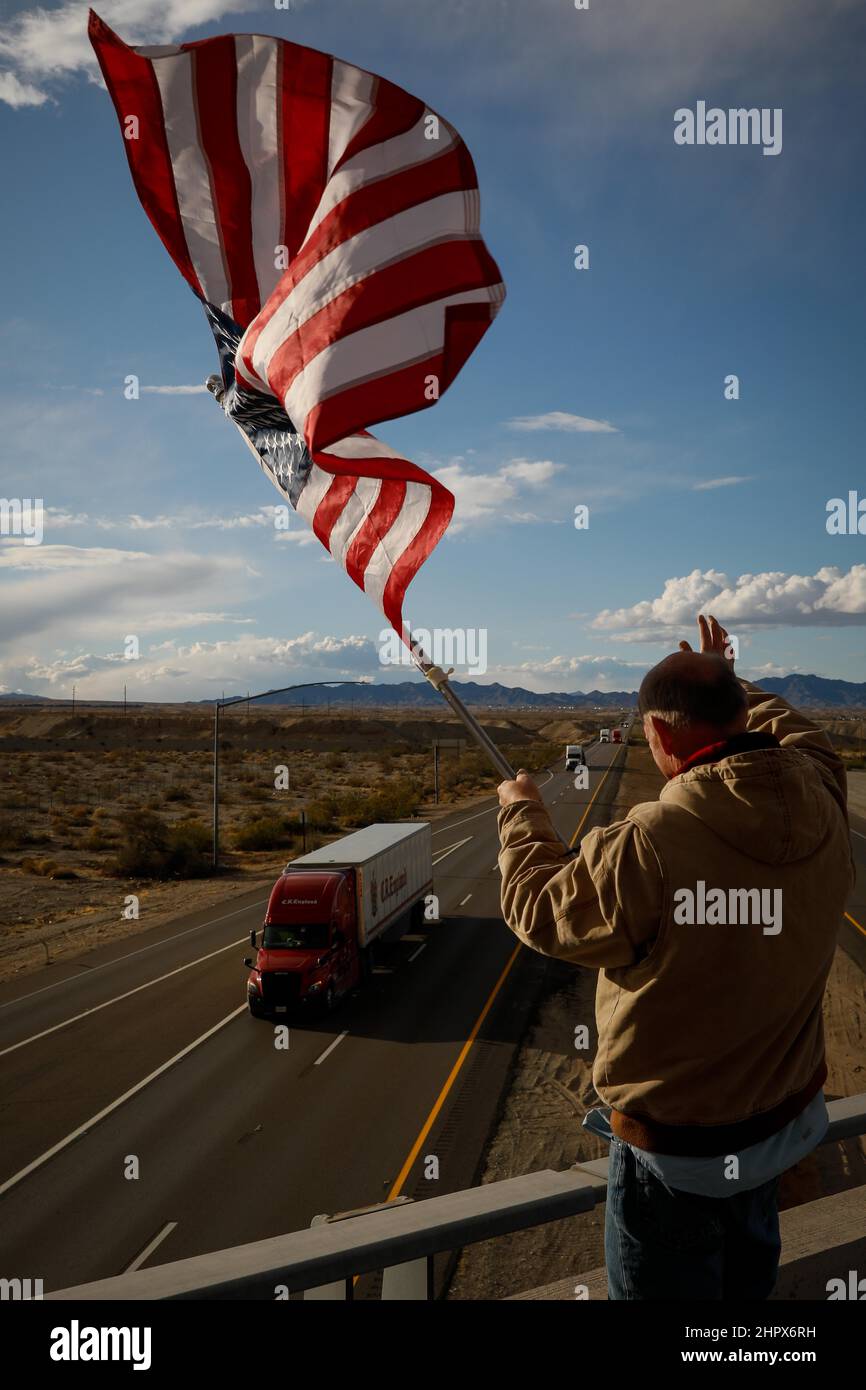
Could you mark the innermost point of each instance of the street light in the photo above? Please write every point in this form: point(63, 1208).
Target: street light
point(245, 700)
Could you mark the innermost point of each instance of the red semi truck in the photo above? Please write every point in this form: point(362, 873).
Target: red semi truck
point(327, 908)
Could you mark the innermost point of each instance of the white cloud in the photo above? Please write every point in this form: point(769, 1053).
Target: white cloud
point(829, 598)
point(92, 595)
point(534, 472)
point(712, 483)
point(16, 93)
point(16, 555)
point(51, 44)
point(173, 390)
point(57, 518)
point(488, 496)
point(174, 670)
point(561, 420)
point(571, 673)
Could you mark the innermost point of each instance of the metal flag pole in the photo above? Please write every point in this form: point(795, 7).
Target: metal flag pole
point(439, 680)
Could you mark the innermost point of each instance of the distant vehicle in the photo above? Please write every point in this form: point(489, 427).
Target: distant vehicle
point(604, 736)
point(328, 907)
point(616, 736)
point(574, 756)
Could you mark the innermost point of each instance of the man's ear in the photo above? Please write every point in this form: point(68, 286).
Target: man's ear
point(663, 732)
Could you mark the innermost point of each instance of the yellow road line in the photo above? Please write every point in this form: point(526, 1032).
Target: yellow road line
point(452, 1077)
point(592, 798)
point(467, 1046)
point(854, 923)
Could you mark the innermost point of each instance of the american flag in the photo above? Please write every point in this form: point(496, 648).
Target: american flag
point(329, 221)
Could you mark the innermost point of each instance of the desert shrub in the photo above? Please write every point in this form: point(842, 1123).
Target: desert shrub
point(98, 839)
point(176, 791)
point(153, 849)
point(65, 874)
point(43, 868)
point(263, 832)
point(14, 833)
point(335, 760)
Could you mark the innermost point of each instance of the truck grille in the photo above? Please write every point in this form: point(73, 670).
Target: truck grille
point(280, 987)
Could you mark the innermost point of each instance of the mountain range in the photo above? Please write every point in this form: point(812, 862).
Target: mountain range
point(802, 690)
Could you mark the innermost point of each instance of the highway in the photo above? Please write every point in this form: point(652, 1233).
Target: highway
point(146, 1117)
point(141, 1057)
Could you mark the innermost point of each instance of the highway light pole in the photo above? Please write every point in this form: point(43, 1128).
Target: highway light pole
point(220, 705)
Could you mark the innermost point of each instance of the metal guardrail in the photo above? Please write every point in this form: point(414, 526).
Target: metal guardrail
point(392, 1234)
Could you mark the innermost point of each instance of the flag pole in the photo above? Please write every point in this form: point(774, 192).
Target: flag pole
point(439, 680)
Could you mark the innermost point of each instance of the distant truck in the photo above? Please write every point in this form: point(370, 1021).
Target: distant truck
point(616, 736)
point(328, 907)
point(574, 756)
point(604, 736)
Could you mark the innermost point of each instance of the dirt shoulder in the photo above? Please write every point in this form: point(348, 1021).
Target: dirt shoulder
point(551, 1090)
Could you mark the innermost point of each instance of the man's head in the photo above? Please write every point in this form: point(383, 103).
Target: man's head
point(689, 700)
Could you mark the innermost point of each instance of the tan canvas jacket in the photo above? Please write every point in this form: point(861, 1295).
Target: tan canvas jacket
point(710, 1033)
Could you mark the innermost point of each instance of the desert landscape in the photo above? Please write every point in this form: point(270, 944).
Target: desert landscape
point(97, 804)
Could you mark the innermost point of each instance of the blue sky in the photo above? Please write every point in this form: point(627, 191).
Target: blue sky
point(704, 261)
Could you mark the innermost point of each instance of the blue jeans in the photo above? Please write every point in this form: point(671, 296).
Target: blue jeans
point(661, 1243)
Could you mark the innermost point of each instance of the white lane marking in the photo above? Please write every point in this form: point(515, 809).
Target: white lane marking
point(107, 1110)
point(495, 869)
point(421, 948)
point(328, 1050)
point(74, 979)
point(34, 1037)
point(465, 900)
point(149, 1248)
point(858, 832)
point(451, 848)
point(413, 936)
point(453, 825)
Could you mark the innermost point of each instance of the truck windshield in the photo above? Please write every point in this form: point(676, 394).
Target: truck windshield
point(310, 936)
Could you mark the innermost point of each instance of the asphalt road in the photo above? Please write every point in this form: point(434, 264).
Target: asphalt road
point(141, 1058)
point(144, 1051)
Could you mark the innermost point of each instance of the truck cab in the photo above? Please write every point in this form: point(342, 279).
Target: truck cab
point(574, 756)
point(604, 736)
point(308, 954)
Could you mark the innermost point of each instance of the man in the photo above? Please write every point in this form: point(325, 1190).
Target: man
point(712, 916)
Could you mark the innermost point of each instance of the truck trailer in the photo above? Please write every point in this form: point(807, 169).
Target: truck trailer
point(328, 907)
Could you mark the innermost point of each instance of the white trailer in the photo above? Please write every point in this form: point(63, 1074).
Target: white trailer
point(393, 867)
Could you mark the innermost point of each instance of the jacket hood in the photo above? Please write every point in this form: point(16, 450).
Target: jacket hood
point(770, 803)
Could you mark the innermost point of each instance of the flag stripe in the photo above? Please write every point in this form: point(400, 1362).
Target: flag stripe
point(216, 79)
point(259, 133)
point(401, 288)
point(330, 222)
point(351, 248)
point(405, 351)
point(133, 88)
point(305, 86)
point(174, 76)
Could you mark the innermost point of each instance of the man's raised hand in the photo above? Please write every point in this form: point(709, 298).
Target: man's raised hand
point(521, 789)
point(714, 639)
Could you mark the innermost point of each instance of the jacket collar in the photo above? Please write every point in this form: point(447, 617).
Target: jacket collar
point(740, 743)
